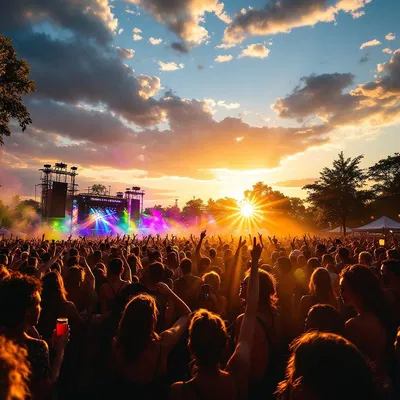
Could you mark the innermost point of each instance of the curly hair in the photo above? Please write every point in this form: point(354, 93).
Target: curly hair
point(16, 296)
point(14, 371)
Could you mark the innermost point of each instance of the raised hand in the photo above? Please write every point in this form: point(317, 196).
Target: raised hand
point(241, 244)
point(261, 240)
point(256, 251)
point(203, 234)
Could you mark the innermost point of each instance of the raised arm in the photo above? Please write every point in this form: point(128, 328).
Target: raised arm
point(43, 268)
point(90, 280)
point(171, 336)
point(127, 275)
point(242, 353)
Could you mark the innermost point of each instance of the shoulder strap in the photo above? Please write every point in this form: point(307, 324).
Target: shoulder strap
point(266, 331)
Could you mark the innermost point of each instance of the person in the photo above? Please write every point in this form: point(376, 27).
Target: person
point(188, 286)
point(328, 262)
point(286, 288)
point(325, 366)
point(208, 340)
point(264, 366)
point(390, 272)
point(324, 318)
point(151, 276)
point(370, 329)
point(366, 259)
point(320, 292)
point(215, 259)
point(14, 371)
point(19, 310)
point(115, 284)
point(80, 284)
point(209, 296)
point(140, 355)
point(343, 259)
point(55, 305)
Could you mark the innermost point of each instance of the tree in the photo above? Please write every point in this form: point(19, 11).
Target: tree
point(221, 208)
point(386, 190)
point(98, 189)
point(14, 84)
point(386, 174)
point(193, 209)
point(338, 193)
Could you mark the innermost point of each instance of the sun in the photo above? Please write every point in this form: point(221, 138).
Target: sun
point(246, 210)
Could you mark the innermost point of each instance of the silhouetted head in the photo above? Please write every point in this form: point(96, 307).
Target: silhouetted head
point(325, 366)
point(208, 339)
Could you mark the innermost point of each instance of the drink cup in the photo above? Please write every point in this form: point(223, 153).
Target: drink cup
point(62, 326)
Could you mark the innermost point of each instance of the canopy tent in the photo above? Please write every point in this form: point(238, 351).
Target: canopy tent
point(338, 230)
point(381, 225)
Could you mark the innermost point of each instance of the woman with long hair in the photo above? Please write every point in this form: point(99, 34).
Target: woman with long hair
point(320, 292)
point(55, 305)
point(208, 341)
point(371, 329)
point(140, 353)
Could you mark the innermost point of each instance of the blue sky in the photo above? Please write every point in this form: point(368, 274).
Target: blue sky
point(246, 88)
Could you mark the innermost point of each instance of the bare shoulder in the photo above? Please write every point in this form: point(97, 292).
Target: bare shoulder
point(175, 392)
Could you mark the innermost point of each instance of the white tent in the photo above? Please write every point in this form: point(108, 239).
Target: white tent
point(338, 230)
point(381, 225)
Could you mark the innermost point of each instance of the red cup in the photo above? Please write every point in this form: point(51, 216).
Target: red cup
point(62, 326)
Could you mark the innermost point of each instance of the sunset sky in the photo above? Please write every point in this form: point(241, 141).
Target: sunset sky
point(202, 98)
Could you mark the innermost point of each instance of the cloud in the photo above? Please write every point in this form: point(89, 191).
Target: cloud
point(319, 95)
point(91, 18)
point(280, 16)
point(120, 31)
point(375, 103)
point(184, 17)
point(149, 85)
point(136, 37)
point(390, 36)
point(152, 152)
point(222, 59)
point(357, 14)
point(294, 183)
point(228, 106)
point(180, 47)
point(170, 66)
point(125, 53)
point(225, 46)
point(155, 41)
point(132, 12)
point(387, 50)
point(370, 43)
point(257, 50)
point(136, 30)
point(107, 82)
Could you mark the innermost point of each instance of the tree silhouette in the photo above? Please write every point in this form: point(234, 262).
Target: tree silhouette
point(98, 189)
point(338, 192)
point(14, 84)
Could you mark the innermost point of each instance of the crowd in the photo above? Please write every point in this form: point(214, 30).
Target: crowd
point(202, 317)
